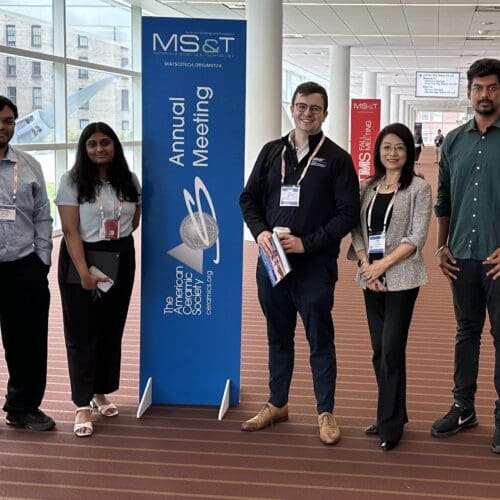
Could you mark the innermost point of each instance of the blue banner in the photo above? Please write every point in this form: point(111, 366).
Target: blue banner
point(193, 106)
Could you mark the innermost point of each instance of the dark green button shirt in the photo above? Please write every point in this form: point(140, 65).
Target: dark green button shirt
point(469, 190)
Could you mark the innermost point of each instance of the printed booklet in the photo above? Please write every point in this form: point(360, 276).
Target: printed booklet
point(277, 266)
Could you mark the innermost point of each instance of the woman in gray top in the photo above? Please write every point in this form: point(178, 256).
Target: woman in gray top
point(99, 205)
point(395, 216)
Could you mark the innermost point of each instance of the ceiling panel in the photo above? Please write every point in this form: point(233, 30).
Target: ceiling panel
point(389, 19)
point(324, 17)
point(357, 19)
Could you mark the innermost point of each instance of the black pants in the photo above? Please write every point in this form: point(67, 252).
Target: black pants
point(473, 294)
point(93, 328)
point(389, 316)
point(24, 316)
point(418, 150)
point(309, 291)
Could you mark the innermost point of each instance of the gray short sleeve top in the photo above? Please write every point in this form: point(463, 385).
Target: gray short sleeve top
point(90, 213)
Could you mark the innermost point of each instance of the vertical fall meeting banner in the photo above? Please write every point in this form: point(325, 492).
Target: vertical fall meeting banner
point(193, 108)
point(365, 126)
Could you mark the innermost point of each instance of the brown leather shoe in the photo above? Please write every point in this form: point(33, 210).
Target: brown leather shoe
point(329, 431)
point(269, 414)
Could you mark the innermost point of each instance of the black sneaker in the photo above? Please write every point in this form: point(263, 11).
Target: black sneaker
point(34, 420)
point(456, 419)
point(495, 444)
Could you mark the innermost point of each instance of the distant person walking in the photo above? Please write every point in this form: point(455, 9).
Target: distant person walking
point(438, 141)
point(419, 144)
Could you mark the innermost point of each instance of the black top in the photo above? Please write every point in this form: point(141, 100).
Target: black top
point(378, 213)
point(329, 195)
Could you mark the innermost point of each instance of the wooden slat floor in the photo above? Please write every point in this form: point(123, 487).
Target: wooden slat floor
point(184, 452)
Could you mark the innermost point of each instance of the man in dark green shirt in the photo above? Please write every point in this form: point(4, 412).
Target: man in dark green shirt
point(468, 212)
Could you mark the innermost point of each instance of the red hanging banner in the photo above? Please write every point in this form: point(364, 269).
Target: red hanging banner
point(365, 125)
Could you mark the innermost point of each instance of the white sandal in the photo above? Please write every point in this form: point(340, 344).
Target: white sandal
point(83, 429)
point(107, 410)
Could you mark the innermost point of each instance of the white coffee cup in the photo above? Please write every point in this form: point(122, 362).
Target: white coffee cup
point(280, 230)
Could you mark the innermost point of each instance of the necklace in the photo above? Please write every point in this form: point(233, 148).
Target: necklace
point(387, 186)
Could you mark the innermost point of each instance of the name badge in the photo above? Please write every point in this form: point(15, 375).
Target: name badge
point(110, 229)
point(290, 196)
point(376, 243)
point(8, 214)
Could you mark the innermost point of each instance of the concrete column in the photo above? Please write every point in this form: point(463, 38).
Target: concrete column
point(413, 117)
point(369, 87)
point(394, 108)
point(339, 97)
point(385, 111)
point(407, 114)
point(264, 73)
point(401, 111)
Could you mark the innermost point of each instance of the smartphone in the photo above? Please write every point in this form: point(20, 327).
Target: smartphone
point(104, 286)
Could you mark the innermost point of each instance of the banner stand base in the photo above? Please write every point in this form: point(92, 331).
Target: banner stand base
point(224, 404)
point(147, 398)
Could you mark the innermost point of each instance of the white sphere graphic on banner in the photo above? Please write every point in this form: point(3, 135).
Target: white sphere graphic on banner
point(191, 226)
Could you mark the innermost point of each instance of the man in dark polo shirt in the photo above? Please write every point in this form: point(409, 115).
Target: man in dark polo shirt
point(468, 212)
point(306, 183)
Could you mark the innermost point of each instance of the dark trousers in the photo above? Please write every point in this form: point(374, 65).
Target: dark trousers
point(473, 294)
point(308, 290)
point(24, 315)
point(418, 150)
point(93, 327)
point(389, 316)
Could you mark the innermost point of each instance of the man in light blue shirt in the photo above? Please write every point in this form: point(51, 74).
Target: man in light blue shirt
point(25, 254)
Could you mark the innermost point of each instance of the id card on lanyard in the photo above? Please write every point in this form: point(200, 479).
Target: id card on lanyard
point(8, 214)
point(376, 241)
point(110, 226)
point(290, 194)
point(8, 211)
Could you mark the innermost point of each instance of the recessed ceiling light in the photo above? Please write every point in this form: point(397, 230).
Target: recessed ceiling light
point(487, 8)
point(480, 37)
point(235, 5)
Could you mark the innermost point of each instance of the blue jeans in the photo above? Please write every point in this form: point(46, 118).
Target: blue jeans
point(308, 290)
point(473, 294)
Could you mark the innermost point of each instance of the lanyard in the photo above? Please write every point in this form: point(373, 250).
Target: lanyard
point(14, 185)
point(304, 172)
point(101, 208)
point(387, 211)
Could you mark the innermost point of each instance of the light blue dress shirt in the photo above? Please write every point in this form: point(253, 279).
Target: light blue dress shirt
point(32, 229)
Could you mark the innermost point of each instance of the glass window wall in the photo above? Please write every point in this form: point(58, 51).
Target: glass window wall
point(98, 32)
point(27, 24)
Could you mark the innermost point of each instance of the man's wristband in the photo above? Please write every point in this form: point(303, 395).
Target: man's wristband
point(440, 249)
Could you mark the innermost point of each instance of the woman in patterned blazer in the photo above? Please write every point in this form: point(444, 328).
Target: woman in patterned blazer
point(395, 215)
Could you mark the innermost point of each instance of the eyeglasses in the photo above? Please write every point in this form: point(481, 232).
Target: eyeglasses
point(399, 149)
point(302, 107)
point(478, 89)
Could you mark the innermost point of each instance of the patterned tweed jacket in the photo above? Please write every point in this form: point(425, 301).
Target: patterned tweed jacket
point(411, 215)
